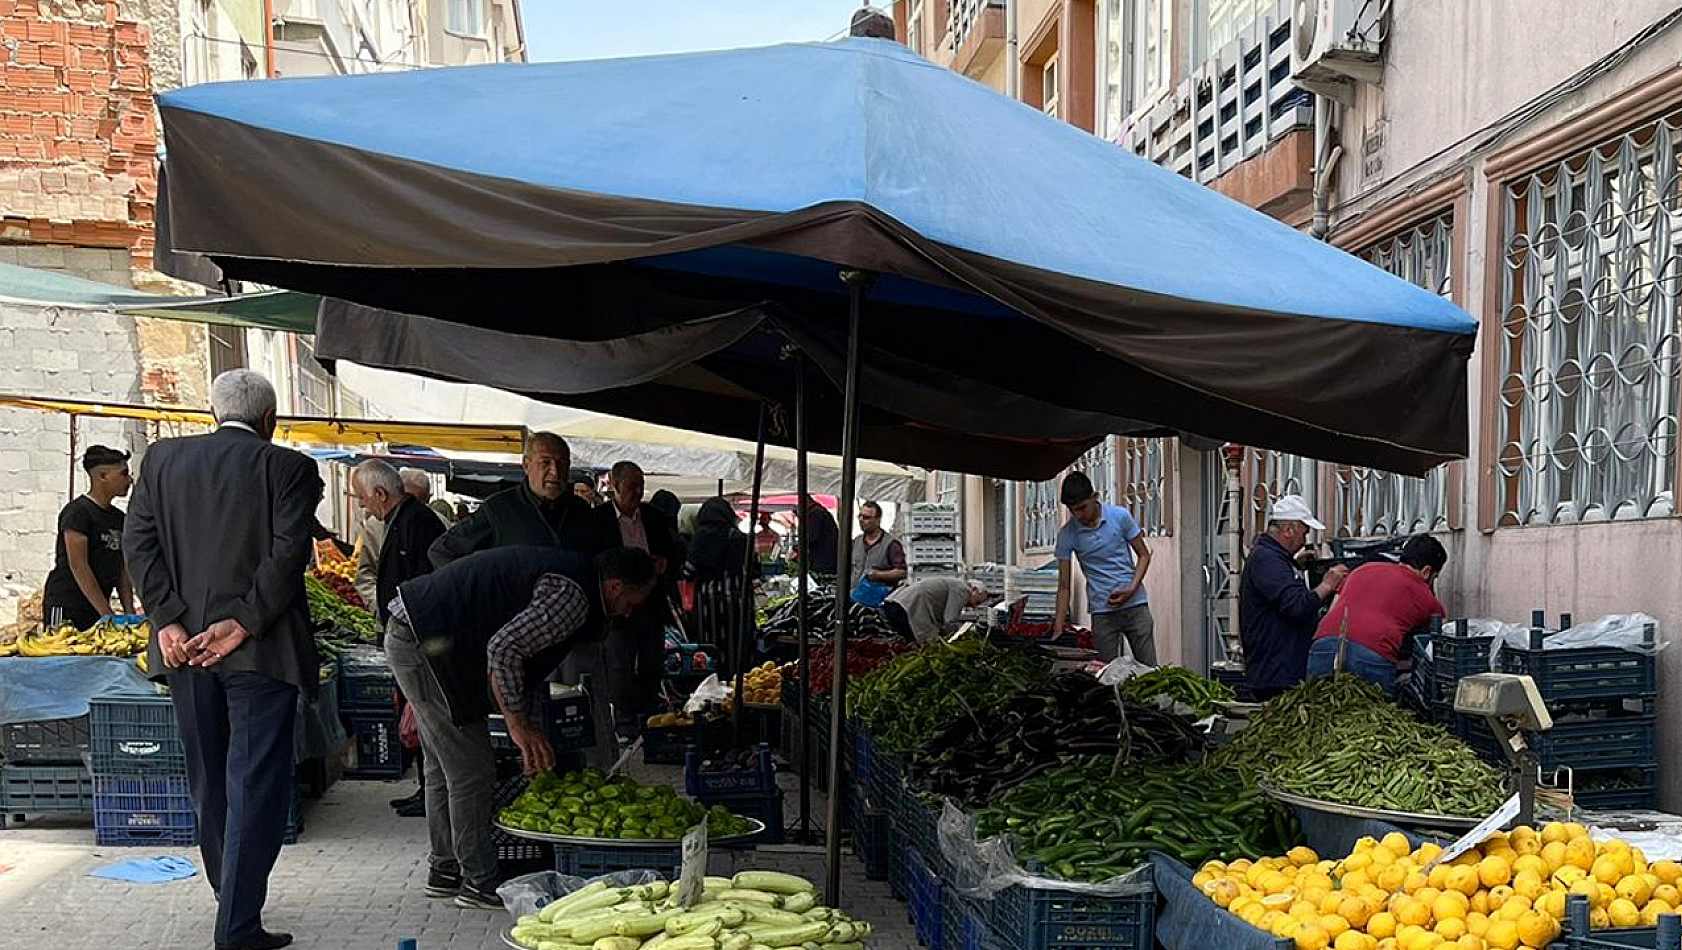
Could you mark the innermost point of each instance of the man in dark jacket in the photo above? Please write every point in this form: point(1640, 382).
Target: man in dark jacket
point(1277, 612)
point(636, 650)
point(506, 616)
point(542, 511)
point(820, 547)
point(217, 539)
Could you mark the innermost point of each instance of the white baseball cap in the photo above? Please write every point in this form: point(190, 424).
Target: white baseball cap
point(1293, 508)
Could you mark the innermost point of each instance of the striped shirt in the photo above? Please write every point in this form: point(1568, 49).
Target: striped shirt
point(558, 608)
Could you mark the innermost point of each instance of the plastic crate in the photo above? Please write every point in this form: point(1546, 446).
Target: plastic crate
point(514, 851)
point(758, 779)
point(569, 722)
point(143, 810)
point(374, 751)
point(929, 519)
point(136, 733)
point(887, 782)
point(45, 741)
point(667, 746)
point(1616, 742)
point(1454, 657)
point(1666, 936)
point(872, 844)
point(916, 827)
point(931, 551)
point(366, 682)
point(862, 764)
point(1031, 918)
point(963, 925)
point(1620, 788)
point(587, 862)
point(1565, 676)
point(45, 790)
point(923, 895)
point(767, 808)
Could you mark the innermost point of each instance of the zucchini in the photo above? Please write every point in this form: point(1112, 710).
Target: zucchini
point(690, 942)
point(589, 897)
point(749, 894)
point(645, 925)
point(793, 936)
point(736, 941)
point(713, 880)
point(694, 920)
point(616, 943)
point(774, 881)
point(772, 915)
point(800, 903)
point(593, 930)
point(843, 946)
point(657, 940)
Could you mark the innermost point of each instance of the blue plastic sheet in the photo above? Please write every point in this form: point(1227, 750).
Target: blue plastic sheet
point(59, 687)
point(159, 870)
point(1189, 920)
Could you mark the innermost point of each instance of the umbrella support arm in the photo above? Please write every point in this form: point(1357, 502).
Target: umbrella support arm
point(858, 284)
point(749, 554)
point(801, 597)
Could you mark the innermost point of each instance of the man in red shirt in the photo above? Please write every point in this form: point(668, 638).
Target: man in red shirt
point(1380, 603)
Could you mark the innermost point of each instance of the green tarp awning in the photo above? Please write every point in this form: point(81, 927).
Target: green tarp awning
point(266, 310)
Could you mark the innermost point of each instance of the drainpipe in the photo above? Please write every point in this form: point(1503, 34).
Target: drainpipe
point(1013, 64)
point(268, 38)
point(1326, 155)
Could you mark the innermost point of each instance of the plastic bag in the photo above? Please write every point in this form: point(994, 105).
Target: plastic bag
point(529, 893)
point(710, 691)
point(1620, 631)
point(983, 868)
point(1122, 669)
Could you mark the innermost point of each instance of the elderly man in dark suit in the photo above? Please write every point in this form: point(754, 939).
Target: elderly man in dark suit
point(635, 651)
point(217, 539)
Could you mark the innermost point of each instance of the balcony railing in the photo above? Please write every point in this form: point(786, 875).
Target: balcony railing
point(964, 15)
point(1230, 109)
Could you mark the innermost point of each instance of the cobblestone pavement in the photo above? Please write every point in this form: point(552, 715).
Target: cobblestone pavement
point(352, 881)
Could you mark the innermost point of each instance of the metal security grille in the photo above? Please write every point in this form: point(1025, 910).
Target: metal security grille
point(1273, 475)
point(1589, 346)
point(1372, 502)
point(1041, 514)
point(1144, 480)
point(1099, 465)
point(963, 16)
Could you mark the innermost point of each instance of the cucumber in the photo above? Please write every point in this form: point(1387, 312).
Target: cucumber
point(774, 881)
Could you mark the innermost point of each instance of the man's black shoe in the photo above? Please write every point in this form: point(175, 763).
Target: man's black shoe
point(472, 898)
point(442, 884)
point(417, 810)
point(261, 940)
point(417, 798)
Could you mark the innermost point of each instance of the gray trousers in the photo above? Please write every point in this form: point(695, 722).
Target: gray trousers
point(1132, 624)
point(459, 772)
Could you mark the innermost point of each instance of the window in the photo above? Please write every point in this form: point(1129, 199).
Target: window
point(947, 487)
point(1136, 46)
point(1227, 19)
point(1042, 514)
point(1144, 482)
point(1588, 352)
point(1271, 475)
point(1048, 86)
point(914, 27)
point(465, 17)
point(1371, 502)
point(315, 387)
point(227, 349)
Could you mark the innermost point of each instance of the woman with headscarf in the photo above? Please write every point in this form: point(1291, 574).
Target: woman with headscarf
point(717, 557)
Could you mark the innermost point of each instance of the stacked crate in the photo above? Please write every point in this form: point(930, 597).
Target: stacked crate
point(368, 706)
point(930, 536)
point(751, 792)
point(44, 768)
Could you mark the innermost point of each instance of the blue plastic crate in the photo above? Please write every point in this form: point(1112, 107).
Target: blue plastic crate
point(923, 890)
point(963, 925)
point(887, 783)
point(135, 733)
point(143, 810)
point(1028, 918)
point(45, 790)
point(1666, 936)
point(582, 861)
point(375, 750)
point(916, 827)
point(1637, 788)
point(872, 840)
point(366, 683)
point(758, 779)
point(1566, 676)
point(45, 741)
point(861, 766)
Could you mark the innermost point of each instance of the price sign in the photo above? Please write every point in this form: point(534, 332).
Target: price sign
point(1471, 839)
point(693, 876)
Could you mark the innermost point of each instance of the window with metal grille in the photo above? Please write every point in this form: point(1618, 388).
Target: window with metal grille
point(1272, 475)
point(1371, 502)
point(1144, 483)
point(946, 487)
point(1042, 514)
point(315, 387)
point(1588, 352)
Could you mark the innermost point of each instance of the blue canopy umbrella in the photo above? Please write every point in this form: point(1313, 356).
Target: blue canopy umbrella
point(990, 289)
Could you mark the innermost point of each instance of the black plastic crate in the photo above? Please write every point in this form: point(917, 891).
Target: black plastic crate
point(143, 810)
point(1031, 918)
point(45, 790)
point(1565, 676)
point(366, 682)
point(1454, 657)
point(1578, 936)
point(135, 733)
point(667, 745)
point(569, 723)
point(512, 851)
point(759, 779)
point(587, 862)
point(1612, 742)
point(767, 808)
point(923, 894)
point(45, 741)
point(375, 751)
point(1616, 788)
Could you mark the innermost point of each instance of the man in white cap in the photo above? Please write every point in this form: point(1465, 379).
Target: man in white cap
point(1277, 611)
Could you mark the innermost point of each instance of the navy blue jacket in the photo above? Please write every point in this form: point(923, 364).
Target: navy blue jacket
point(1277, 614)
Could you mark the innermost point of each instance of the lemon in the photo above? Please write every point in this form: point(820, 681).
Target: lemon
point(1554, 831)
point(1537, 930)
point(1412, 911)
point(1450, 905)
point(1451, 929)
point(1494, 871)
point(1635, 889)
point(1501, 935)
point(1414, 881)
point(1353, 940)
point(1396, 843)
point(1438, 876)
point(1356, 879)
point(1357, 910)
point(1381, 858)
point(1463, 879)
point(1622, 913)
point(1528, 884)
point(1273, 882)
point(1552, 903)
point(1530, 862)
point(1469, 942)
point(1606, 895)
point(1333, 924)
point(1668, 892)
point(1427, 895)
point(1309, 935)
point(1524, 846)
point(1669, 872)
point(1356, 861)
point(1653, 911)
point(1428, 852)
point(1392, 878)
point(1277, 924)
point(1381, 925)
point(1512, 909)
point(1302, 857)
point(1480, 902)
point(1202, 879)
point(1426, 940)
point(1224, 892)
point(1580, 852)
point(1554, 854)
point(1576, 830)
point(1497, 896)
point(1570, 875)
point(1599, 919)
point(1477, 924)
point(1303, 910)
point(1253, 914)
point(1606, 870)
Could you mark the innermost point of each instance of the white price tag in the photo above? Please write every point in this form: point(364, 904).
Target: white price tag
point(694, 873)
point(1471, 839)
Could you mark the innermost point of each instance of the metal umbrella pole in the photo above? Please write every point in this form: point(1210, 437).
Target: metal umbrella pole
point(858, 284)
point(804, 656)
point(745, 621)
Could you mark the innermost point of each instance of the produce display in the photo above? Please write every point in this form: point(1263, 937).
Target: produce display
point(755, 910)
point(1180, 685)
point(1086, 821)
point(762, 685)
point(863, 658)
point(1337, 739)
point(978, 756)
point(782, 618)
point(339, 577)
point(327, 605)
point(1508, 892)
point(907, 700)
point(589, 804)
point(105, 638)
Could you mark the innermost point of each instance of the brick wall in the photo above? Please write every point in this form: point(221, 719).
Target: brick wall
point(78, 126)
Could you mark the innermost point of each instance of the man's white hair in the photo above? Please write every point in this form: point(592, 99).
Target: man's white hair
point(415, 478)
point(240, 395)
point(377, 473)
point(976, 587)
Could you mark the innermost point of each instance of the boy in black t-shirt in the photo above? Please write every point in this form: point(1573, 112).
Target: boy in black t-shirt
point(88, 553)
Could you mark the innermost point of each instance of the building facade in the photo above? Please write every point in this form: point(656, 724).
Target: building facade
point(1533, 183)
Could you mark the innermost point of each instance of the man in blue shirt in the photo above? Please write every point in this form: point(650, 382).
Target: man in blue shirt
point(1277, 611)
point(1114, 558)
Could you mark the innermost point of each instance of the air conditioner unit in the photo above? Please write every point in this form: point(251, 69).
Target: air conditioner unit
point(1337, 43)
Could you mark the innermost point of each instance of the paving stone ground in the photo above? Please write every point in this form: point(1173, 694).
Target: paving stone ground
point(353, 881)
